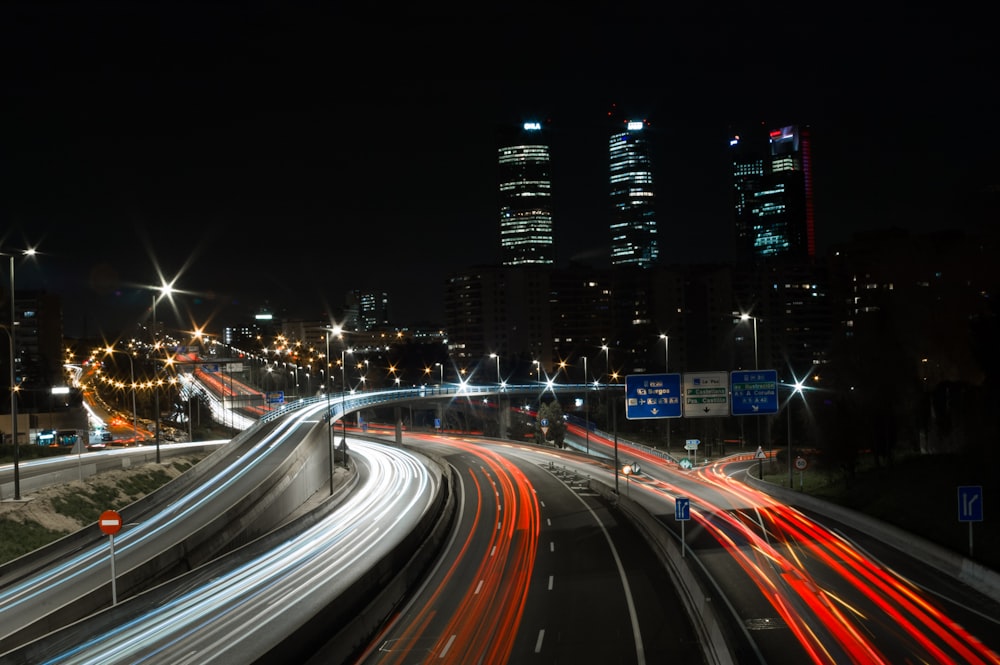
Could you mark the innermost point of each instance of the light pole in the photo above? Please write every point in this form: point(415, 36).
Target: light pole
point(747, 317)
point(343, 398)
point(497, 356)
point(607, 372)
point(135, 416)
point(156, 385)
point(329, 411)
point(441, 368)
point(13, 379)
point(796, 388)
point(666, 368)
point(586, 406)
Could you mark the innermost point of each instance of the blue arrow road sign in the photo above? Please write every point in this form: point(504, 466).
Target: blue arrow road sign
point(682, 509)
point(652, 396)
point(970, 503)
point(754, 392)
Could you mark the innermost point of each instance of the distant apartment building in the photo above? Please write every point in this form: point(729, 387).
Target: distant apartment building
point(38, 352)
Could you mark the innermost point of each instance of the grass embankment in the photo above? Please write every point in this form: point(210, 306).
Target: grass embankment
point(917, 493)
point(80, 503)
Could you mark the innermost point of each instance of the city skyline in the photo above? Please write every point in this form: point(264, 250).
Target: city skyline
point(210, 157)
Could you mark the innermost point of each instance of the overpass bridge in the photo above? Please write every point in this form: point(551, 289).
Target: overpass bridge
point(228, 410)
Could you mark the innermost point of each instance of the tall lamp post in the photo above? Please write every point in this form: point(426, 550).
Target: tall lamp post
point(666, 368)
point(497, 356)
point(156, 385)
point(343, 398)
point(796, 388)
point(607, 372)
point(747, 317)
point(13, 378)
point(586, 405)
point(135, 416)
point(329, 411)
point(441, 368)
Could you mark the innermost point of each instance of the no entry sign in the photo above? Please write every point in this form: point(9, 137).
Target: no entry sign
point(110, 522)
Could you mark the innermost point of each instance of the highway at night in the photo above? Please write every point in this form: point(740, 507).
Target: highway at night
point(545, 562)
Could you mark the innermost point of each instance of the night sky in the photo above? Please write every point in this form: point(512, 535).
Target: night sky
point(279, 157)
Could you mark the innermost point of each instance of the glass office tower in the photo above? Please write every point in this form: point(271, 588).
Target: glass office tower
point(772, 194)
point(633, 218)
point(525, 197)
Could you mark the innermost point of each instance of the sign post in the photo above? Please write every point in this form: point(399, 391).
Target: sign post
point(801, 464)
point(110, 523)
point(760, 456)
point(682, 513)
point(970, 507)
point(692, 446)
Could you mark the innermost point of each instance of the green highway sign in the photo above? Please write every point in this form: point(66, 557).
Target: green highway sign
point(706, 394)
point(754, 392)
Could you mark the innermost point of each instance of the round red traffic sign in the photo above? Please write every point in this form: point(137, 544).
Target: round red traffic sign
point(801, 463)
point(110, 522)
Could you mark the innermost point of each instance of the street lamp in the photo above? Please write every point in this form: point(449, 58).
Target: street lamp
point(329, 411)
point(747, 317)
point(135, 416)
point(586, 406)
point(497, 356)
point(666, 368)
point(440, 366)
point(343, 398)
point(13, 375)
point(796, 388)
point(156, 387)
point(666, 351)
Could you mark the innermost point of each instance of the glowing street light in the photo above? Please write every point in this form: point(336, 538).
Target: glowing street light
point(666, 368)
point(164, 291)
point(343, 398)
point(329, 410)
point(497, 356)
point(796, 389)
point(586, 406)
point(13, 375)
point(747, 317)
point(666, 351)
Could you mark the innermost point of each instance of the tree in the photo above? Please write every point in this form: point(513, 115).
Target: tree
point(553, 413)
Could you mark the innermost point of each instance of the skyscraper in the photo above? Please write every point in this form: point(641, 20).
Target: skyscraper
point(633, 217)
point(525, 197)
point(772, 195)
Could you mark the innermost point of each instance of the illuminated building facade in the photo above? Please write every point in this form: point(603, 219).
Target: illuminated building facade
point(525, 197)
point(634, 239)
point(773, 195)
